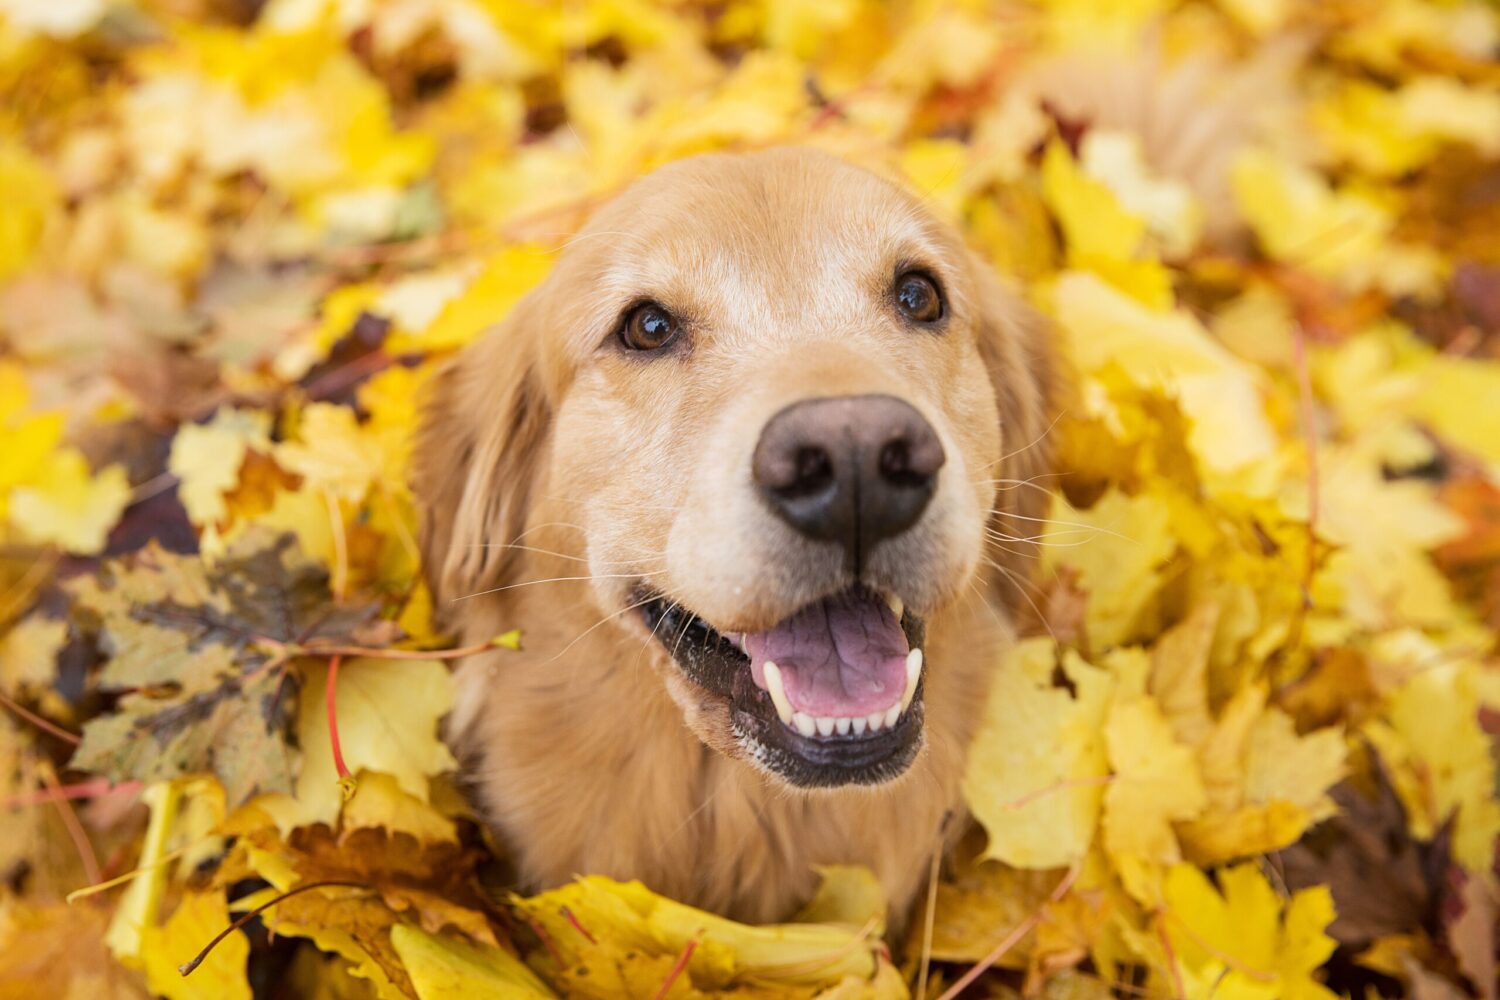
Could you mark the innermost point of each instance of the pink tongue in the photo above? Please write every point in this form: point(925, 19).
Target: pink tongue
point(843, 656)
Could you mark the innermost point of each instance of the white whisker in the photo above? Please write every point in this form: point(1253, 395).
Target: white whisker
point(555, 579)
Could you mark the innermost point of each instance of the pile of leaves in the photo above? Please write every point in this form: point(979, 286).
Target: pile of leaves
point(1246, 748)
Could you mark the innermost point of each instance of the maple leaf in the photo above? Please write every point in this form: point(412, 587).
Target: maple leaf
point(1156, 783)
point(197, 918)
point(68, 506)
point(1029, 775)
point(617, 918)
point(442, 968)
point(206, 459)
point(388, 712)
point(187, 645)
point(1383, 883)
point(360, 885)
point(1242, 937)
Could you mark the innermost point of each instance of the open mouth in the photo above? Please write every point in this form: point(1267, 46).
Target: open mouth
point(831, 695)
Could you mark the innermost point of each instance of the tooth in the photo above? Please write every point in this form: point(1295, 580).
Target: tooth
point(804, 723)
point(858, 724)
point(913, 674)
point(842, 725)
point(777, 691)
point(895, 605)
point(892, 714)
point(875, 720)
point(825, 725)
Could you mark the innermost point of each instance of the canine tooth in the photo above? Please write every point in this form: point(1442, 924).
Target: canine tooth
point(892, 714)
point(913, 674)
point(825, 725)
point(895, 604)
point(842, 725)
point(777, 691)
point(804, 723)
point(858, 724)
point(875, 721)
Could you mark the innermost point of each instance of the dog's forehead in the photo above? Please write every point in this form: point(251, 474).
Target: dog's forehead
point(755, 235)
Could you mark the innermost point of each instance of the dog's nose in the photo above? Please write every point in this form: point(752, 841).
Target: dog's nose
point(848, 469)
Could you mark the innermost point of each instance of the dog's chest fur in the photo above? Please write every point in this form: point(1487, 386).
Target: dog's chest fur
point(583, 764)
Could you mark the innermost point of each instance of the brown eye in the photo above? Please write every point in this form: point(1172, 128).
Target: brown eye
point(649, 327)
point(918, 298)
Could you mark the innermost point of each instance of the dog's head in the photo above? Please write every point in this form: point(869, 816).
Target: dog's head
point(774, 409)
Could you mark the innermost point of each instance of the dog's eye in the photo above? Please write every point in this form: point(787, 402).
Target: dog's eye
point(648, 327)
point(917, 297)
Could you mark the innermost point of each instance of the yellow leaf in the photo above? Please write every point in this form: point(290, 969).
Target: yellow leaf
point(29, 438)
point(388, 712)
point(628, 914)
point(1240, 939)
point(506, 277)
point(1179, 674)
point(1169, 350)
point(1156, 783)
point(28, 654)
point(1444, 758)
point(66, 506)
point(803, 26)
point(850, 895)
point(1301, 220)
point(192, 925)
point(1125, 540)
point(1381, 574)
point(1033, 775)
point(1168, 207)
point(335, 453)
point(939, 170)
point(443, 968)
point(31, 198)
point(378, 801)
point(206, 459)
point(1092, 219)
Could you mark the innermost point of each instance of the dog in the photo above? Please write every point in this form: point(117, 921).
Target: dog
point(755, 470)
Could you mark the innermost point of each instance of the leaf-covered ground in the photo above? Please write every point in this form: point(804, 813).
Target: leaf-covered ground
point(1247, 748)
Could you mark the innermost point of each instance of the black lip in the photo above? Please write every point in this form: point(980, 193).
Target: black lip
point(715, 664)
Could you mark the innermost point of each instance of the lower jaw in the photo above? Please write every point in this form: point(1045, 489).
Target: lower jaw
point(712, 663)
point(810, 762)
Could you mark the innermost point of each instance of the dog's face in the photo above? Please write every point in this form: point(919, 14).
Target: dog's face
point(775, 405)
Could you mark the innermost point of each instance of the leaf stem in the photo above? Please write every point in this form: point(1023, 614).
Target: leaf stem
point(677, 967)
point(568, 916)
point(39, 722)
point(97, 788)
point(330, 698)
point(1010, 940)
point(187, 967)
point(76, 832)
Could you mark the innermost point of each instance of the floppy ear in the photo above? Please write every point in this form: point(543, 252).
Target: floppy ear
point(1020, 352)
point(479, 448)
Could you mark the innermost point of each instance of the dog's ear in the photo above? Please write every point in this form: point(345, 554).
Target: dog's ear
point(478, 451)
point(1020, 352)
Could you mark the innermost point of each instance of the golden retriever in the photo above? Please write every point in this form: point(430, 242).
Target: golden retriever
point(754, 470)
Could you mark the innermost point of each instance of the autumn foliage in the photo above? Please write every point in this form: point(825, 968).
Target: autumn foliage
point(1246, 747)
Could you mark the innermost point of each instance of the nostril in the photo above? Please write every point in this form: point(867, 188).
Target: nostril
point(895, 460)
point(899, 467)
point(814, 471)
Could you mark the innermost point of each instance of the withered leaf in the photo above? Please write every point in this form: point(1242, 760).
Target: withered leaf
point(191, 645)
point(1383, 882)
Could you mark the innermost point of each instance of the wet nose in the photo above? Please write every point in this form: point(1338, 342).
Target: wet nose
point(848, 469)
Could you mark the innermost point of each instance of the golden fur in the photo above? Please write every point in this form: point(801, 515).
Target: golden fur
point(558, 474)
